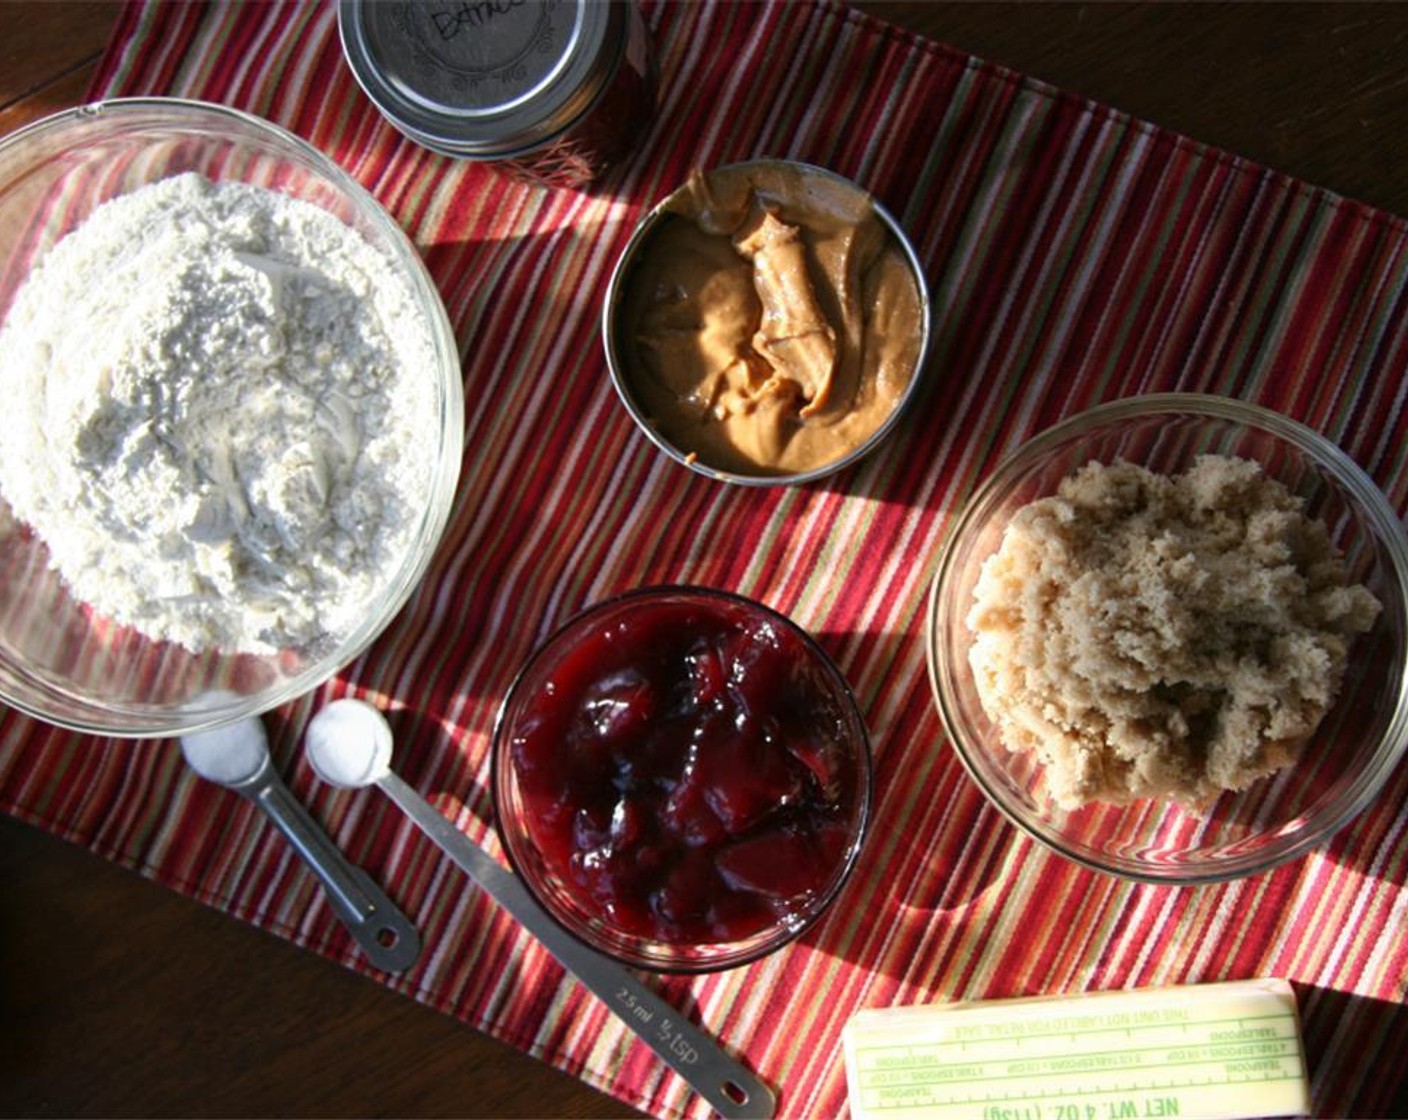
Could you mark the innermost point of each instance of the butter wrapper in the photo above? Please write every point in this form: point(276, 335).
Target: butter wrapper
point(1216, 1051)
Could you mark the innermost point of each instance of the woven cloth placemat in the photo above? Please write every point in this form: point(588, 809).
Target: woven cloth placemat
point(1074, 255)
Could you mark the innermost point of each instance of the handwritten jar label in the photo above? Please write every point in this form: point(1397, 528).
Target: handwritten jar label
point(556, 91)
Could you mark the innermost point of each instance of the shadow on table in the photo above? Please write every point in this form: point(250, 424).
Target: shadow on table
point(933, 871)
point(1355, 1048)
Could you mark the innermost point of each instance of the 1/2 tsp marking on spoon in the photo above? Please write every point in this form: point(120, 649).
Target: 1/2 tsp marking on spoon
point(666, 1031)
point(678, 1044)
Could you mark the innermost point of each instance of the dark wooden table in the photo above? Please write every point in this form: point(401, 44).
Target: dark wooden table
point(119, 998)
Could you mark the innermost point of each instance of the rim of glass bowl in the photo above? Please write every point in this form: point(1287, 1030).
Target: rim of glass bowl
point(659, 956)
point(622, 382)
point(1331, 458)
point(233, 127)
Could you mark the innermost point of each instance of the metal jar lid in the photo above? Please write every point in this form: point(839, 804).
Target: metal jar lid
point(483, 79)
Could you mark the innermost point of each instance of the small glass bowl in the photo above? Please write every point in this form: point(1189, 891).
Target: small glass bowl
point(658, 817)
point(58, 661)
point(1280, 817)
point(822, 183)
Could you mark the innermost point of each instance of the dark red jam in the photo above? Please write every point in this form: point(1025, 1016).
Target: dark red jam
point(691, 770)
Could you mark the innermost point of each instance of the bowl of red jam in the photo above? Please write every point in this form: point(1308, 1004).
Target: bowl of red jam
point(682, 778)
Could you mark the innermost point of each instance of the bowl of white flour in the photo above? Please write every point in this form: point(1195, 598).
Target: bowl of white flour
point(234, 416)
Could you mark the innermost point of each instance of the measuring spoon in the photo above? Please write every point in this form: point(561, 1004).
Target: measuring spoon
point(237, 756)
point(349, 744)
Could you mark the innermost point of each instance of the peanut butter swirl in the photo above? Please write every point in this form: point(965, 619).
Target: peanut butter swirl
point(772, 322)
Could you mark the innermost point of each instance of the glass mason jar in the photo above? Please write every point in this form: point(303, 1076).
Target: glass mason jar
point(552, 91)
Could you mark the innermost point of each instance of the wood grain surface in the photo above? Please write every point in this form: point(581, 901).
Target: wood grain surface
point(119, 998)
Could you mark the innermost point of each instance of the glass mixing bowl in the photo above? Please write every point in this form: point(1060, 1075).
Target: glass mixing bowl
point(58, 660)
point(682, 778)
point(1355, 747)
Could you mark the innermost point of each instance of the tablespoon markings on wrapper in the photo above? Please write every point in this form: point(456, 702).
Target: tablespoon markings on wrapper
point(350, 745)
point(236, 756)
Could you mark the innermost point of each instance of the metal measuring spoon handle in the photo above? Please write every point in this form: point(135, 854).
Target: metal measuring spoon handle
point(387, 937)
point(731, 1089)
point(236, 756)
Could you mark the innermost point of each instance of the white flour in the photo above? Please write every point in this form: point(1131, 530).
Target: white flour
point(220, 415)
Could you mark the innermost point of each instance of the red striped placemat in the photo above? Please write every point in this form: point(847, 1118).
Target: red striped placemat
point(1075, 255)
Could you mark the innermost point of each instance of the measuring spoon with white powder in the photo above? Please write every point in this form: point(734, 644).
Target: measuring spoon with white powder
point(349, 744)
point(237, 756)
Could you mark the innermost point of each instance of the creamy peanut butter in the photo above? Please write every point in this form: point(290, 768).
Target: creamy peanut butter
point(772, 322)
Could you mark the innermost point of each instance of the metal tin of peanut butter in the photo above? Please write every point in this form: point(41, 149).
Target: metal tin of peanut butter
point(556, 91)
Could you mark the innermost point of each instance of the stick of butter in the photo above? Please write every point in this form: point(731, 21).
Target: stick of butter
point(1217, 1051)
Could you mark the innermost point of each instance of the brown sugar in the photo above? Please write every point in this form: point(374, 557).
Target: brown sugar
point(1148, 635)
